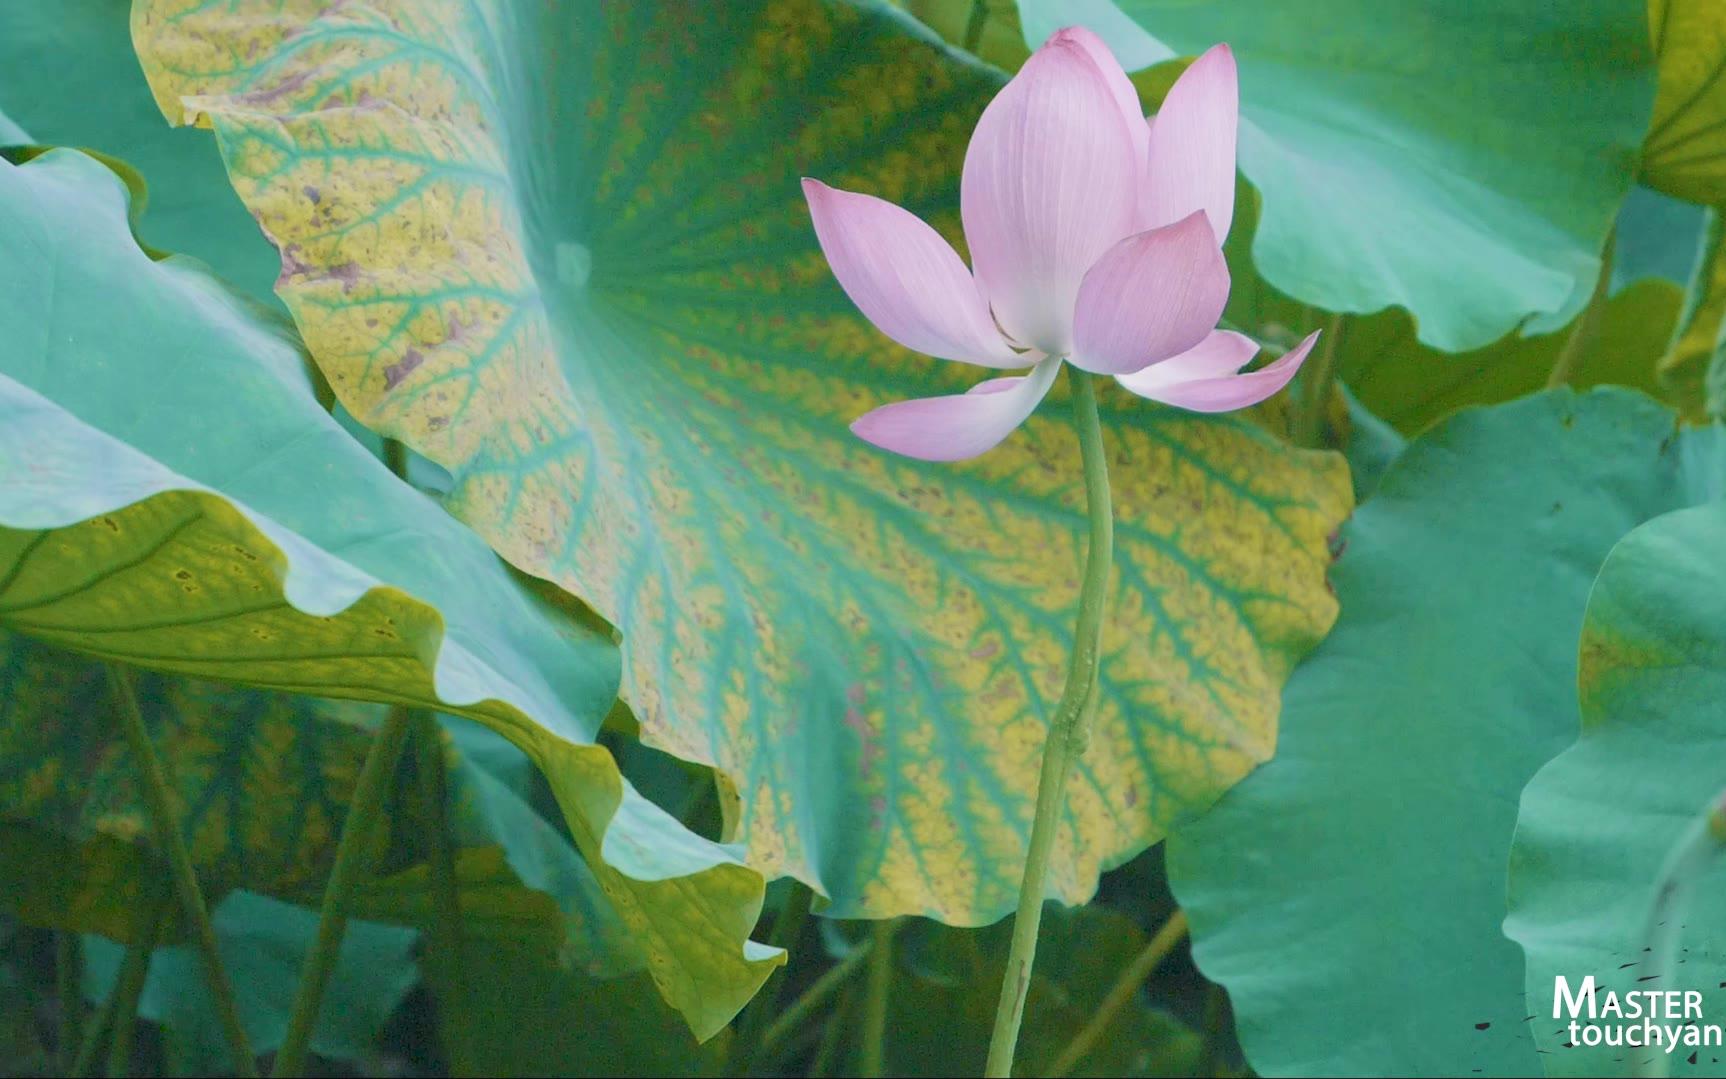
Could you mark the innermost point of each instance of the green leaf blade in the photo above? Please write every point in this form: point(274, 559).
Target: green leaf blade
point(1371, 851)
point(1596, 824)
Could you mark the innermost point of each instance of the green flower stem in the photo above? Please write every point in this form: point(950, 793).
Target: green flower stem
point(364, 816)
point(873, 1064)
point(128, 991)
point(146, 929)
point(1216, 1015)
point(446, 946)
point(787, 927)
point(1588, 325)
point(1121, 993)
point(159, 804)
point(97, 1028)
point(396, 458)
point(1691, 857)
point(1069, 732)
point(69, 987)
point(1316, 382)
point(832, 1033)
point(816, 995)
point(974, 25)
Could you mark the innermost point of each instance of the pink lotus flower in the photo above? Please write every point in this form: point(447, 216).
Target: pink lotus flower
point(1096, 239)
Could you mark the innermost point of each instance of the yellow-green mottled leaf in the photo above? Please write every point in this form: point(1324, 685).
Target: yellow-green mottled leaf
point(998, 39)
point(172, 496)
point(561, 250)
point(1685, 151)
point(264, 780)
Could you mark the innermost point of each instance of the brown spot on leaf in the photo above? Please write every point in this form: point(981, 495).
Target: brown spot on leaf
point(348, 273)
point(401, 369)
point(281, 89)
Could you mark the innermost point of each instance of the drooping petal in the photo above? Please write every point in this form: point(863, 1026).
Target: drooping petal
point(1192, 146)
point(1152, 296)
point(1222, 352)
point(1051, 180)
point(1196, 384)
point(905, 278)
point(962, 425)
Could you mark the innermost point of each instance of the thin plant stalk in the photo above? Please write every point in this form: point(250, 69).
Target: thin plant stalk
point(128, 991)
point(95, 1031)
point(1691, 857)
point(159, 804)
point(1068, 733)
point(365, 813)
point(69, 987)
point(1120, 994)
point(1216, 1015)
point(832, 1034)
point(129, 988)
point(445, 947)
point(787, 927)
point(872, 1063)
point(146, 929)
point(396, 458)
point(811, 1000)
point(974, 23)
point(1588, 325)
point(1315, 386)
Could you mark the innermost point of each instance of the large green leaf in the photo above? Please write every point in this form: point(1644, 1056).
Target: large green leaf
point(1685, 152)
point(1597, 822)
point(172, 495)
point(562, 251)
point(1411, 385)
point(68, 77)
point(1349, 893)
point(525, 1016)
point(1465, 165)
point(264, 944)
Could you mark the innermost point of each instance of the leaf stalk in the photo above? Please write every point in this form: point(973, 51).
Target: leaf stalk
point(364, 815)
point(165, 819)
point(445, 946)
point(1120, 994)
